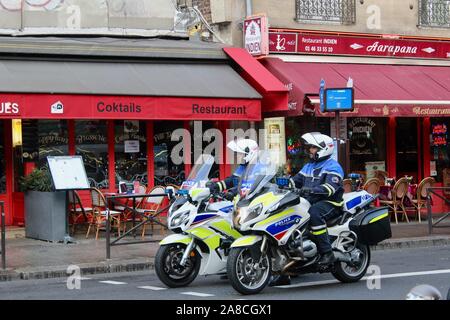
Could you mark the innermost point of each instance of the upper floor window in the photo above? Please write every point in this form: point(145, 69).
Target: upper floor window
point(335, 11)
point(434, 13)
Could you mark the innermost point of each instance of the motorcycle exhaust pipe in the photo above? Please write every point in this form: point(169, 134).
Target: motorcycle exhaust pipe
point(341, 257)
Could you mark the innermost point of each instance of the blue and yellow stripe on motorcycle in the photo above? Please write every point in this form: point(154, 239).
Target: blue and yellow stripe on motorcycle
point(202, 217)
point(265, 199)
point(246, 241)
point(211, 238)
point(225, 227)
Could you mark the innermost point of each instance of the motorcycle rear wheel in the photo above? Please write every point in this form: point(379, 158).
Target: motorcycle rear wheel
point(347, 274)
point(246, 275)
point(168, 269)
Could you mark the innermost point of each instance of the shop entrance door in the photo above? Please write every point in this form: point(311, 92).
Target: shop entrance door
point(407, 148)
point(6, 169)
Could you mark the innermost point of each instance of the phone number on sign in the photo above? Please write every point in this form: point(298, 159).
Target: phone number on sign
point(318, 49)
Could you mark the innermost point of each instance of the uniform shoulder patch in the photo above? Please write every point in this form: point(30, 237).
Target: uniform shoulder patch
point(335, 179)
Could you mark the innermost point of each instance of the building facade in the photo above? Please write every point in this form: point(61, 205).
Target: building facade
point(396, 52)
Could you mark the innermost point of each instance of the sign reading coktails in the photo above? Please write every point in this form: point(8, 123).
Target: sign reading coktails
point(42, 106)
point(256, 36)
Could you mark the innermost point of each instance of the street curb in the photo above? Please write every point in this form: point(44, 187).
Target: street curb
point(419, 242)
point(104, 267)
point(85, 270)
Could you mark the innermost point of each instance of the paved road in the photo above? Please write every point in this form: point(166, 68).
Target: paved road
point(400, 271)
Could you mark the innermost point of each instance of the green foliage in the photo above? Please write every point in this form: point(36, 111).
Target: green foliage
point(37, 180)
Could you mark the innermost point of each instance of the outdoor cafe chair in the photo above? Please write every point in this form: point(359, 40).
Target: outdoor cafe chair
point(149, 207)
point(76, 209)
point(99, 214)
point(347, 183)
point(381, 176)
point(421, 195)
point(398, 193)
point(372, 186)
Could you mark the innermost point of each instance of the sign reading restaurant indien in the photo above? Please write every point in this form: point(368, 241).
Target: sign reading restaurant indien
point(303, 42)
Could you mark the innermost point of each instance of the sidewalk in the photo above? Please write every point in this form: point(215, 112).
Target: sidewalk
point(35, 259)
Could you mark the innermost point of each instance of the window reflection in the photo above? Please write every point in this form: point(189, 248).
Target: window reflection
point(166, 172)
point(91, 139)
point(130, 151)
point(2, 159)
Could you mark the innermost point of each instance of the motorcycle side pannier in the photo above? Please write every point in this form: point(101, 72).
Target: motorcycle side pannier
point(372, 226)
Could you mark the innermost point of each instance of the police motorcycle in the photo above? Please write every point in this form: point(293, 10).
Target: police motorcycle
point(202, 228)
point(274, 221)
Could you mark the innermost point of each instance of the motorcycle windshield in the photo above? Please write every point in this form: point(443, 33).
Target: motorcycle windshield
point(199, 173)
point(257, 174)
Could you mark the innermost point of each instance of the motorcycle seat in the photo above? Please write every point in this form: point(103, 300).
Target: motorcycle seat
point(334, 221)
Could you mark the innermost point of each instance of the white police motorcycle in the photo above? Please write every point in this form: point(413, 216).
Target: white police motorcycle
point(274, 222)
point(202, 229)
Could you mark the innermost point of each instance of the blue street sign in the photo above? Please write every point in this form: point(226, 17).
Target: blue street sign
point(339, 99)
point(321, 95)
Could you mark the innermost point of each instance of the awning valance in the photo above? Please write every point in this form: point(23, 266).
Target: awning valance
point(274, 93)
point(380, 90)
point(185, 91)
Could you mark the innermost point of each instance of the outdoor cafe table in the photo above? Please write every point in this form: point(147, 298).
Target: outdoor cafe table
point(119, 200)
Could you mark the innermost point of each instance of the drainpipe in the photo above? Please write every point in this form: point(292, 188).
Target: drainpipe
point(249, 12)
point(248, 5)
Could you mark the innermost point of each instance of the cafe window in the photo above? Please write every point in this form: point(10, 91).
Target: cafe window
point(91, 139)
point(200, 139)
point(166, 171)
point(2, 158)
point(439, 148)
point(295, 128)
point(130, 151)
point(367, 145)
point(34, 141)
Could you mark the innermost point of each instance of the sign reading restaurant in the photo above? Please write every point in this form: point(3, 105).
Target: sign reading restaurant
point(303, 42)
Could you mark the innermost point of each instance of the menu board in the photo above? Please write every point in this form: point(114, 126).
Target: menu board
point(68, 172)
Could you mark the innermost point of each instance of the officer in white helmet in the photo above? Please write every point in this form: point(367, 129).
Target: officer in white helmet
point(246, 149)
point(320, 182)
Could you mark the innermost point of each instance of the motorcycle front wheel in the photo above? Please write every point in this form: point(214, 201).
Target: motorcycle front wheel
point(248, 276)
point(352, 273)
point(168, 268)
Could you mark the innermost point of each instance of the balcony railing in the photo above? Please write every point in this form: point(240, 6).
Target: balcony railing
point(323, 11)
point(434, 13)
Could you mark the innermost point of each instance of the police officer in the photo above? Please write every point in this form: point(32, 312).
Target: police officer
point(320, 182)
point(248, 149)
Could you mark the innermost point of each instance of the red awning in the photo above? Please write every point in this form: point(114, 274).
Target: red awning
point(275, 94)
point(380, 90)
point(64, 106)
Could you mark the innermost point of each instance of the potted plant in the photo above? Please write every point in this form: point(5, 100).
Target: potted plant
point(45, 209)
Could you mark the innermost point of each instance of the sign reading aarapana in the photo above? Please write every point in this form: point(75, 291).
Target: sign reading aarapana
point(256, 35)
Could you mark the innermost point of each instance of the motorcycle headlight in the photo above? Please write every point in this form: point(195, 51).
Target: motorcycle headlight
point(247, 214)
point(179, 218)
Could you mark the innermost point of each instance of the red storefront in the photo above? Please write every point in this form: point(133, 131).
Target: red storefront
point(402, 96)
point(119, 114)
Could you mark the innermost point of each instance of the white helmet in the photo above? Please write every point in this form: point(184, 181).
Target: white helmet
point(248, 147)
point(323, 142)
point(424, 292)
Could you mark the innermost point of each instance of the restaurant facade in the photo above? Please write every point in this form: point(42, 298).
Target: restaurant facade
point(117, 105)
point(402, 98)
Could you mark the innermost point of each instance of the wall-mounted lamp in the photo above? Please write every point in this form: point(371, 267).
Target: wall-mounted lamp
point(17, 132)
point(411, 6)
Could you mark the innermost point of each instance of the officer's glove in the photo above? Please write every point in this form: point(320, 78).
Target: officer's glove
point(229, 196)
point(213, 187)
point(305, 192)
